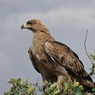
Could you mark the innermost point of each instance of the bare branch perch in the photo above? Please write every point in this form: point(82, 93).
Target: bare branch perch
point(86, 48)
point(90, 57)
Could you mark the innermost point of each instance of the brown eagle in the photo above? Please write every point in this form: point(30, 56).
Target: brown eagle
point(55, 61)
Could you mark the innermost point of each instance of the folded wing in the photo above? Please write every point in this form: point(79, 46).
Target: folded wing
point(63, 55)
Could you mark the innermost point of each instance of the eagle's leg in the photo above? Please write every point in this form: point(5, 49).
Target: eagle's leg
point(60, 81)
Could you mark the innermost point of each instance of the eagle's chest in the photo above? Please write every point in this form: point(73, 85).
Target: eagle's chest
point(43, 63)
point(37, 49)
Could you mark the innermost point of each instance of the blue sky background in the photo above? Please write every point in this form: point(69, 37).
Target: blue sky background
point(67, 20)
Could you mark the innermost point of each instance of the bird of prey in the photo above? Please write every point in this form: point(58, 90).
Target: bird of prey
point(55, 61)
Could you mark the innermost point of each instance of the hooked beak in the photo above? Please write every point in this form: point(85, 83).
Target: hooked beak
point(22, 27)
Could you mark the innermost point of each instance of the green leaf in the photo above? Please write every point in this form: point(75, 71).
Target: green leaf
point(89, 94)
point(57, 92)
point(30, 89)
point(76, 84)
point(81, 87)
point(40, 89)
point(24, 90)
point(93, 89)
point(53, 86)
point(78, 91)
point(66, 87)
point(25, 81)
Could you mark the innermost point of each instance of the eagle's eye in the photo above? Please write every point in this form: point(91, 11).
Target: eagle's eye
point(30, 23)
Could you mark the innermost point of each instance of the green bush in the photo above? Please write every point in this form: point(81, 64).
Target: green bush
point(22, 87)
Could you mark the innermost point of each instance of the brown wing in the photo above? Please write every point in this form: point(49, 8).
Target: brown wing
point(33, 59)
point(63, 55)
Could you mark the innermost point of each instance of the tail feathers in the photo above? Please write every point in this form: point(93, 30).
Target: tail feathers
point(89, 84)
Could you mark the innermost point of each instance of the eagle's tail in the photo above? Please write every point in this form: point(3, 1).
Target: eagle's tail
point(89, 86)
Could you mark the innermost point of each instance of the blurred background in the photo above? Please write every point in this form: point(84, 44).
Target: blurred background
point(67, 20)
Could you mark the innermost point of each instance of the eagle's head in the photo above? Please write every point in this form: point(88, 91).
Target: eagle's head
point(34, 25)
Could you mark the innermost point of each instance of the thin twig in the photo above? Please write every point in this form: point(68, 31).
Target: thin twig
point(86, 48)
